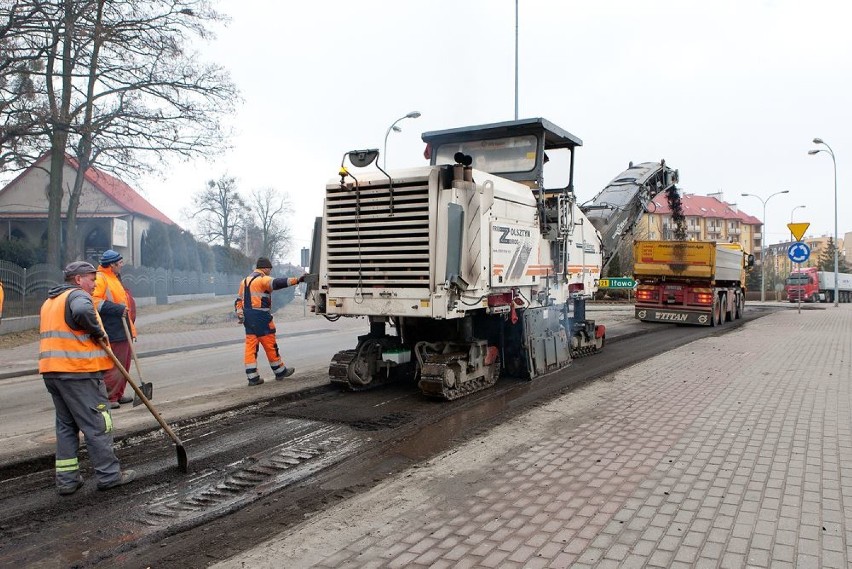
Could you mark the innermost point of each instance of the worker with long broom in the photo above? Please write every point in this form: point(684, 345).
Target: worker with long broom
point(72, 361)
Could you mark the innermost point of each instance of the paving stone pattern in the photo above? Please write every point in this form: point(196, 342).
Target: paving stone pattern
point(734, 451)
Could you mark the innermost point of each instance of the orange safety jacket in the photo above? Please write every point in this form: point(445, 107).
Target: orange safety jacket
point(109, 287)
point(254, 299)
point(63, 349)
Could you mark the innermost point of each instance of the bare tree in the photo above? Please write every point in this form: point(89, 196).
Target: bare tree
point(220, 213)
point(20, 113)
point(269, 208)
point(122, 90)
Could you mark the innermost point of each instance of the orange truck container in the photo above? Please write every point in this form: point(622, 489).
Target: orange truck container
point(690, 282)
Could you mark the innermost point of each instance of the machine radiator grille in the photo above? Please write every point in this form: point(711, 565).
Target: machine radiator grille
point(374, 245)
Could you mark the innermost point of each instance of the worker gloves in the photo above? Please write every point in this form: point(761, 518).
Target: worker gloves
point(302, 278)
point(240, 317)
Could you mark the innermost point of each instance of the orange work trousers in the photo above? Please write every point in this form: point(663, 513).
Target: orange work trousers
point(270, 346)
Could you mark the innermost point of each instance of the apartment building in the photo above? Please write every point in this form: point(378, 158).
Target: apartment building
point(708, 218)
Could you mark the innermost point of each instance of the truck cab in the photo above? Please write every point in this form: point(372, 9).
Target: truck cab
point(802, 285)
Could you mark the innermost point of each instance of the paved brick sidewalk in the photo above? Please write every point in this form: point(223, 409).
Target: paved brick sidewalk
point(733, 451)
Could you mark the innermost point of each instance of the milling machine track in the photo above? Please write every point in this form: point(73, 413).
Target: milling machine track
point(432, 383)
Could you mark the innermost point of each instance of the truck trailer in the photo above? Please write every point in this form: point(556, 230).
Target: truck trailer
point(809, 284)
point(690, 282)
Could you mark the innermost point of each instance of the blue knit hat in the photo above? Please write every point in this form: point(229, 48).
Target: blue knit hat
point(109, 257)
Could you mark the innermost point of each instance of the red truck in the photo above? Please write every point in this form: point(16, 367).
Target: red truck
point(809, 284)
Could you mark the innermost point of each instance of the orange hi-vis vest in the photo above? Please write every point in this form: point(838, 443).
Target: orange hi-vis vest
point(63, 349)
point(109, 287)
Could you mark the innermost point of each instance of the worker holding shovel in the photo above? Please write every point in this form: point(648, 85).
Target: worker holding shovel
point(113, 305)
point(72, 361)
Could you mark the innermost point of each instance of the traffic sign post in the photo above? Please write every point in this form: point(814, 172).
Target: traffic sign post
point(799, 253)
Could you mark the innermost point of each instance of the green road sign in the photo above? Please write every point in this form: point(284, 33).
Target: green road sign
point(620, 282)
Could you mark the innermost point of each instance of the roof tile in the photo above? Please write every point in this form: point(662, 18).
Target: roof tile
point(703, 206)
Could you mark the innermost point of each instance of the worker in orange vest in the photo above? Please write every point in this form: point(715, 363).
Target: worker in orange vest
point(72, 362)
point(253, 307)
point(113, 305)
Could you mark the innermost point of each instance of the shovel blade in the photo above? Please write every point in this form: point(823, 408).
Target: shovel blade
point(183, 461)
point(147, 389)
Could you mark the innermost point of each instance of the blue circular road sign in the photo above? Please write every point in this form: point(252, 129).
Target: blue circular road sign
point(799, 252)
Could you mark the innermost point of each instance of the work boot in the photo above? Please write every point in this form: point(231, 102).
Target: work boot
point(285, 372)
point(127, 476)
point(125, 400)
point(114, 404)
point(255, 381)
point(71, 488)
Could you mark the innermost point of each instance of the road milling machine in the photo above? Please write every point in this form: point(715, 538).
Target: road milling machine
point(469, 268)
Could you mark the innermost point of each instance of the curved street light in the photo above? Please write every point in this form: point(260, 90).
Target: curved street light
point(394, 128)
point(763, 242)
point(836, 246)
point(791, 233)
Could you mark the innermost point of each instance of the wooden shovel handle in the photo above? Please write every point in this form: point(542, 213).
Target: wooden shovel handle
point(139, 393)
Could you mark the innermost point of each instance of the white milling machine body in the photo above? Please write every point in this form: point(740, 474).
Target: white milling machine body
point(475, 266)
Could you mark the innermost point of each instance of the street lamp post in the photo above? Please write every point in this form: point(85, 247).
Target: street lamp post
point(763, 242)
point(836, 248)
point(791, 233)
point(394, 128)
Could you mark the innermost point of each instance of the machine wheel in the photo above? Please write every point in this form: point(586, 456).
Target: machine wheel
point(714, 314)
point(719, 312)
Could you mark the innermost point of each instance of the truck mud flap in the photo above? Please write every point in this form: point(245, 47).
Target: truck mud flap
point(673, 316)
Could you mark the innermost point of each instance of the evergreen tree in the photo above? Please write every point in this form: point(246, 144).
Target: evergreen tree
point(179, 254)
point(230, 260)
point(193, 262)
point(205, 257)
point(826, 259)
point(614, 267)
point(156, 248)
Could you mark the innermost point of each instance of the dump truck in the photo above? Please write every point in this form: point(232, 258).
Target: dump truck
point(471, 267)
point(690, 282)
point(809, 284)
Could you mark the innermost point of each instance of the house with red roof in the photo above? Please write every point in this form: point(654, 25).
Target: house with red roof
point(708, 218)
point(111, 215)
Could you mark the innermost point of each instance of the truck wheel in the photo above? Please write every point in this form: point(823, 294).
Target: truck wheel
point(716, 315)
point(738, 307)
point(727, 315)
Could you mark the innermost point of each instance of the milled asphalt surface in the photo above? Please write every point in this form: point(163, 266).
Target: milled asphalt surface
point(731, 451)
point(19, 371)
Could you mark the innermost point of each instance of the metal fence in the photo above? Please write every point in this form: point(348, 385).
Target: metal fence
point(26, 289)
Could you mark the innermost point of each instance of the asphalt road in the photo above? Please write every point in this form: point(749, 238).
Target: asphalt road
point(182, 380)
point(262, 465)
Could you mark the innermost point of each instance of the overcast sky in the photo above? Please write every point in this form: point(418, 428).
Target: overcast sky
point(730, 93)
